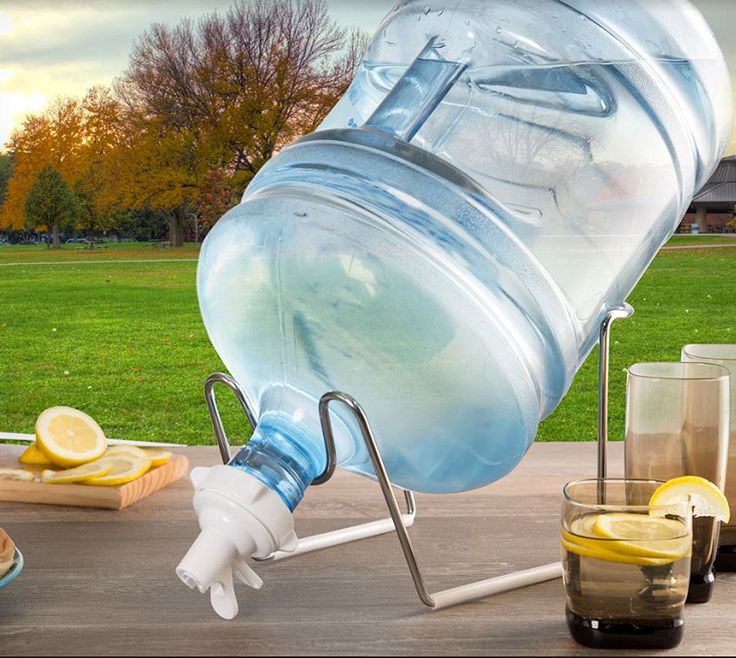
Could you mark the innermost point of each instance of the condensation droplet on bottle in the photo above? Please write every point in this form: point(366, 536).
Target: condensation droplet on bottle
point(499, 29)
point(427, 10)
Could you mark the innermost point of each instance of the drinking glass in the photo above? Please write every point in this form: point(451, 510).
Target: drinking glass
point(723, 355)
point(677, 418)
point(624, 589)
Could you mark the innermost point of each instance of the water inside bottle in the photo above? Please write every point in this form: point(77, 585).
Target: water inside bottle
point(584, 163)
point(582, 153)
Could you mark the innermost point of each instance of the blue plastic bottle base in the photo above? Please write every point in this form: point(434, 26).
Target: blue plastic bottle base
point(281, 456)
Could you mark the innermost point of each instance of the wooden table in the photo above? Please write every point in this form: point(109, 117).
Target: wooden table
point(103, 582)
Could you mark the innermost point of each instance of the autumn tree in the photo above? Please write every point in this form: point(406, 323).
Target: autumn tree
point(208, 103)
point(50, 203)
point(72, 136)
point(6, 171)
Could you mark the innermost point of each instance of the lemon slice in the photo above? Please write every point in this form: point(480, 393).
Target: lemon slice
point(131, 451)
point(596, 535)
point(157, 456)
point(15, 474)
point(69, 437)
point(33, 456)
point(93, 469)
point(599, 552)
point(643, 535)
point(705, 497)
point(124, 469)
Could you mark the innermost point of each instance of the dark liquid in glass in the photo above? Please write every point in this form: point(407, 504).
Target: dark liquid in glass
point(612, 634)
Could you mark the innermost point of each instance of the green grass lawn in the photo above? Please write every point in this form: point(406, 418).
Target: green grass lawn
point(124, 340)
point(702, 240)
point(684, 297)
point(106, 251)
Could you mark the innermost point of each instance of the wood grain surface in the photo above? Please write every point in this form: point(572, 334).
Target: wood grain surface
point(102, 583)
point(84, 495)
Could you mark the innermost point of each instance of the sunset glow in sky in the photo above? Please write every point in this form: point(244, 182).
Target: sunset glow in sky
point(63, 47)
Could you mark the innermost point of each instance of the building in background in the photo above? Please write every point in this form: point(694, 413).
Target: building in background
point(713, 208)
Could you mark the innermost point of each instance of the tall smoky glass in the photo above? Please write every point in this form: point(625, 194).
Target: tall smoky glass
point(723, 355)
point(677, 423)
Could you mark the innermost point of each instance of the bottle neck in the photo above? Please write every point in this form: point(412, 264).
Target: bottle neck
point(282, 456)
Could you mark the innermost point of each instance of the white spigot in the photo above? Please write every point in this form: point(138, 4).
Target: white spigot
point(240, 517)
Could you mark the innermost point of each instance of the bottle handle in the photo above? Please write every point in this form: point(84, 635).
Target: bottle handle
point(416, 94)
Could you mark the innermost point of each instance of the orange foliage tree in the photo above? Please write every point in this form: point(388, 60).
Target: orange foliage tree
point(71, 136)
point(208, 103)
point(199, 110)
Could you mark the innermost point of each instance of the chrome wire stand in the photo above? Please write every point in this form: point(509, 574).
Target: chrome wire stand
point(399, 521)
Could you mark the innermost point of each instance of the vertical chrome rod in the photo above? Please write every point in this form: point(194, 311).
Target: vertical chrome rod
point(604, 350)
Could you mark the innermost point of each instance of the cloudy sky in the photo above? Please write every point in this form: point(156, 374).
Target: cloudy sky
point(62, 47)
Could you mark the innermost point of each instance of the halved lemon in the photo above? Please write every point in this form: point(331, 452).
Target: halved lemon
point(69, 437)
point(644, 535)
point(33, 456)
point(124, 469)
point(93, 469)
point(705, 497)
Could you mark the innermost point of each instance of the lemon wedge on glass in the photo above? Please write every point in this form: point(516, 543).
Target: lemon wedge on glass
point(93, 469)
point(124, 468)
point(705, 497)
point(69, 437)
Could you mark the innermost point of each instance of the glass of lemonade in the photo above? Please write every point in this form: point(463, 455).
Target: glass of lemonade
point(724, 355)
point(677, 424)
point(626, 564)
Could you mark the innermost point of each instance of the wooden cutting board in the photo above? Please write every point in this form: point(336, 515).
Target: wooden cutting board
point(86, 495)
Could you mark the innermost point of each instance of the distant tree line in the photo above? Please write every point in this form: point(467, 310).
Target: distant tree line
point(199, 110)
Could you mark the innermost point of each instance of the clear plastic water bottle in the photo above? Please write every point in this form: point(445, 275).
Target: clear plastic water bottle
point(497, 177)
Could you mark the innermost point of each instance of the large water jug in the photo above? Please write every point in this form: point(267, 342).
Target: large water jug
point(497, 177)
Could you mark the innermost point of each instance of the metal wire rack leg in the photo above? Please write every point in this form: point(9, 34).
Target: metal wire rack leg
point(447, 597)
point(399, 521)
point(313, 542)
